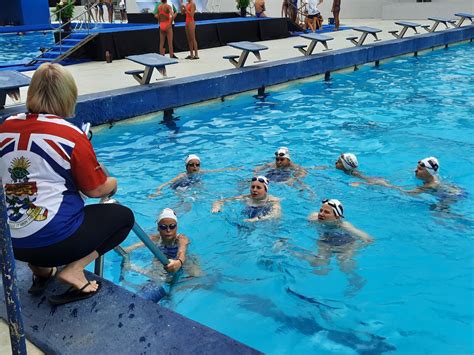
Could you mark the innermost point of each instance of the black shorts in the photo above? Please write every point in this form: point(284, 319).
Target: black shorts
point(104, 227)
point(313, 16)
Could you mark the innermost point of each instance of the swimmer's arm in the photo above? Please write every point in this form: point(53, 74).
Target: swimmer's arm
point(300, 172)
point(373, 181)
point(159, 188)
point(129, 249)
point(319, 167)
point(313, 217)
point(262, 167)
point(217, 205)
point(193, 9)
point(417, 190)
point(357, 232)
point(176, 264)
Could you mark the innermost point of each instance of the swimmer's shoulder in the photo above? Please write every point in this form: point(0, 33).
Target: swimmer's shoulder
point(182, 238)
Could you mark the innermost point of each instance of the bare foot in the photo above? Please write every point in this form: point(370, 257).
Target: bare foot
point(77, 279)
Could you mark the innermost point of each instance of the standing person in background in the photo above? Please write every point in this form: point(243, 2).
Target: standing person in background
point(123, 11)
point(110, 10)
point(284, 8)
point(189, 10)
point(88, 6)
point(314, 14)
point(260, 8)
point(164, 15)
point(293, 9)
point(336, 8)
point(100, 7)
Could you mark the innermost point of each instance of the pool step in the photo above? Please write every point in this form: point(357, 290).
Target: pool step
point(69, 45)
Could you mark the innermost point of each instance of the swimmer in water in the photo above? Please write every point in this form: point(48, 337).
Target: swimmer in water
point(173, 244)
point(260, 204)
point(191, 177)
point(283, 169)
point(340, 239)
point(427, 170)
point(348, 163)
point(330, 215)
point(337, 238)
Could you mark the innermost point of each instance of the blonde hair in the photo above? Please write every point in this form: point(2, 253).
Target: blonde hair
point(52, 90)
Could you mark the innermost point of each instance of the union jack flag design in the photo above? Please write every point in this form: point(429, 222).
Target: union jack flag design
point(38, 154)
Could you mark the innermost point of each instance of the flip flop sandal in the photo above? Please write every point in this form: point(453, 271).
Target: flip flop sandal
point(189, 57)
point(72, 295)
point(40, 283)
point(195, 57)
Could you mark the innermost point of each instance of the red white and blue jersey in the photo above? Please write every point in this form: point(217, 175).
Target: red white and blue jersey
point(45, 162)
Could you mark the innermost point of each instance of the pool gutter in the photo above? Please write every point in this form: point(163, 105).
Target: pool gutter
point(120, 104)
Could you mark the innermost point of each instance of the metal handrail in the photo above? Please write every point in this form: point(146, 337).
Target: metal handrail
point(81, 15)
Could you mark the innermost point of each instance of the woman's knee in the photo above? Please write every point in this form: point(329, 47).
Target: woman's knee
point(126, 216)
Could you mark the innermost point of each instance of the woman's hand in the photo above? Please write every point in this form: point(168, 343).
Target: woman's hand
point(156, 194)
point(174, 265)
point(216, 207)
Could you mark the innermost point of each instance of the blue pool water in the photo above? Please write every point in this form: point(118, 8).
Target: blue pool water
point(15, 48)
point(411, 291)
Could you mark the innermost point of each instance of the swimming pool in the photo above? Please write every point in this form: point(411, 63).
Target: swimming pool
point(411, 290)
point(21, 48)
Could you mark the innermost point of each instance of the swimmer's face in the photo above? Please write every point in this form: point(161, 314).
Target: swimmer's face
point(193, 166)
point(421, 172)
point(257, 190)
point(281, 162)
point(326, 213)
point(167, 227)
point(339, 165)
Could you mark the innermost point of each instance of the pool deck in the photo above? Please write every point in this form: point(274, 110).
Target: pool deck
point(94, 77)
point(115, 321)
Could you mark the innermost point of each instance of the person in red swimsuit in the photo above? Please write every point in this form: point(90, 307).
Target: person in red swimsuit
point(190, 9)
point(164, 16)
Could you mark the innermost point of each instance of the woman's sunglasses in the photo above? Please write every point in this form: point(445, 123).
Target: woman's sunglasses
point(166, 227)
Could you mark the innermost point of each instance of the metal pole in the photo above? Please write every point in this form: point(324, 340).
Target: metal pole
point(12, 299)
point(99, 266)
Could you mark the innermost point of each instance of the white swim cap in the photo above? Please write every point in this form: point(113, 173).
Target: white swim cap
point(336, 207)
point(349, 161)
point(431, 165)
point(191, 157)
point(167, 213)
point(263, 180)
point(283, 152)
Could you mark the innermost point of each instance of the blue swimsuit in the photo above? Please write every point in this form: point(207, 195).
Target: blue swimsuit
point(257, 211)
point(171, 251)
point(336, 238)
point(185, 182)
point(279, 174)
